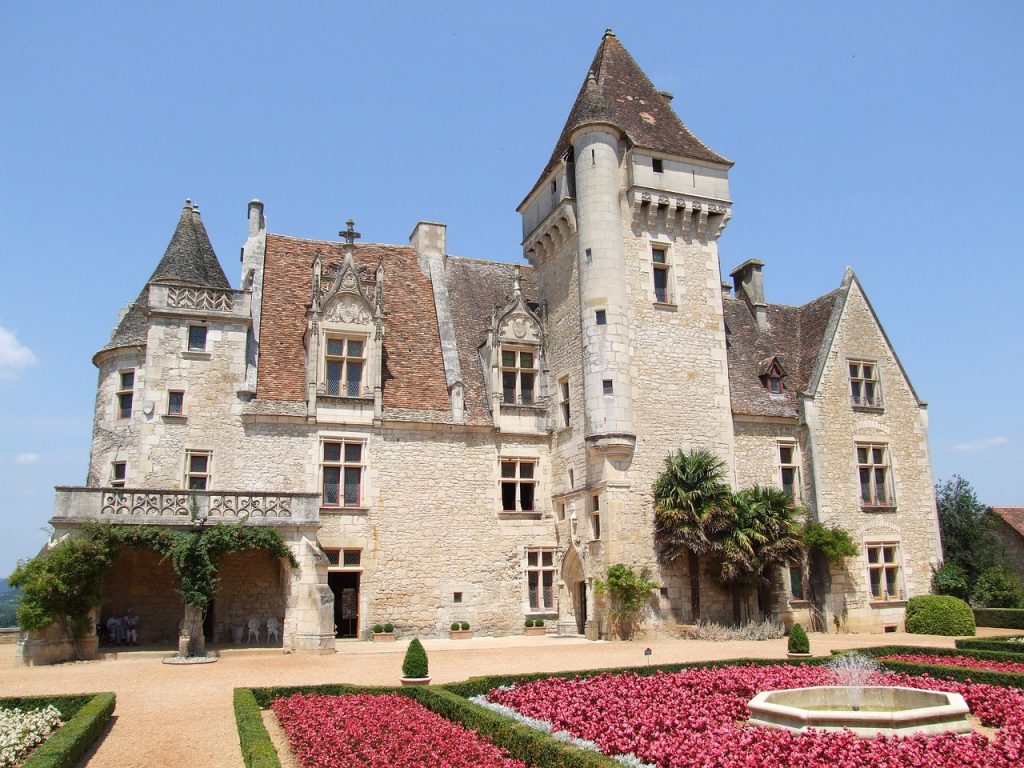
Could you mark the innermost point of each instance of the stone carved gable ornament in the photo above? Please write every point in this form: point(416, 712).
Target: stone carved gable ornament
point(516, 321)
point(346, 300)
point(348, 308)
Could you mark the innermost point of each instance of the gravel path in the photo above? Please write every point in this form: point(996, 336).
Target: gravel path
point(182, 715)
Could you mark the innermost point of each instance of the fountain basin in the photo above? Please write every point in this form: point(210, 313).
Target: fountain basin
point(884, 710)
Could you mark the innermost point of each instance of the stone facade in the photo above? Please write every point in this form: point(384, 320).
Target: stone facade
point(444, 439)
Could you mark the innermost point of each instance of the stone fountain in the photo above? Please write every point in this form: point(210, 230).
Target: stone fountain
point(865, 710)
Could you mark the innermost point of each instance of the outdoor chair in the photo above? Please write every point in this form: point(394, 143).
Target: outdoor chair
point(254, 629)
point(273, 628)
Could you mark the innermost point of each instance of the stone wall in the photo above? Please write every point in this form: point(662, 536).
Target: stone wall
point(252, 585)
point(142, 581)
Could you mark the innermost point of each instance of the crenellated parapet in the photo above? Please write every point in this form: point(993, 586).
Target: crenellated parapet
point(686, 215)
point(552, 234)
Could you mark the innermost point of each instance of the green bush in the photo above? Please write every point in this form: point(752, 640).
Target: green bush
point(378, 628)
point(939, 615)
point(529, 623)
point(999, 644)
point(998, 587)
point(415, 663)
point(951, 579)
point(257, 748)
point(454, 626)
point(1007, 618)
point(464, 625)
point(64, 749)
point(389, 627)
point(538, 622)
point(798, 642)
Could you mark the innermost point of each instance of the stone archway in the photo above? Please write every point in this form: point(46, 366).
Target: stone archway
point(143, 581)
point(574, 584)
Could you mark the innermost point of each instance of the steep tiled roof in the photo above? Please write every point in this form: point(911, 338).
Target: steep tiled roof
point(617, 91)
point(189, 259)
point(474, 289)
point(413, 370)
point(794, 336)
point(1012, 516)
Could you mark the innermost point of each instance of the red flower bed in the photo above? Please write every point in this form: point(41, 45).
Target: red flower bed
point(959, 661)
point(364, 731)
point(697, 718)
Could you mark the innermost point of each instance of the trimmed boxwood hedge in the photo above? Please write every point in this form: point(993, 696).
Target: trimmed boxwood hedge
point(1007, 618)
point(994, 644)
point(85, 716)
point(939, 615)
point(257, 748)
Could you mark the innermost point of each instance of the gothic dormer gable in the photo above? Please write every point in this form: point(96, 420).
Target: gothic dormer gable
point(346, 301)
point(772, 374)
point(517, 322)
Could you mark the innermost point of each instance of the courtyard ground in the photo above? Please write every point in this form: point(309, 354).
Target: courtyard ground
point(170, 716)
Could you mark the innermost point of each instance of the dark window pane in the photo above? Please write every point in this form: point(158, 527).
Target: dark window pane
point(508, 496)
point(355, 348)
point(526, 495)
point(352, 478)
point(531, 558)
point(854, 371)
point(197, 338)
point(661, 285)
point(354, 379)
point(796, 586)
point(508, 386)
point(336, 347)
point(332, 556)
point(865, 484)
point(880, 485)
point(873, 554)
point(128, 380)
point(120, 469)
point(786, 454)
point(546, 581)
point(353, 453)
point(527, 392)
point(788, 480)
point(532, 581)
point(334, 378)
point(525, 469)
point(526, 359)
point(869, 392)
point(124, 405)
point(876, 582)
point(868, 372)
point(658, 254)
point(353, 557)
point(774, 385)
point(606, 386)
point(175, 401)
point(862, 455)
point(548, 559)
point(508, 469)
point(855, 390)
point(877, 456)
point(332, 480)
point(888, 554)
point(508, 359)
point(601, 317)
point(197, 483)
point(596, 523)
point(198, 462)
point(332, 451)
point(890, 582)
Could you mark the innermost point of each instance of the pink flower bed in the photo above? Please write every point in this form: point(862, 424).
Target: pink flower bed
point(959, 661)
point(365, 731)
point(697, 718)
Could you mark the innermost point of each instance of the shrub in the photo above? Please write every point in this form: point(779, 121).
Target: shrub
point(998, 588)
point(454, 626)
point(257, 748)
point(538, 622)
point(464, 625)
point(378, 628)
point(529, 623)
point(939, 615)
point(951, 579)
point(415, 663)
point(716, 633)
point(629, 595)
point(64, 749)
point(1008, 618)
point(389, 627)
point(798, 642)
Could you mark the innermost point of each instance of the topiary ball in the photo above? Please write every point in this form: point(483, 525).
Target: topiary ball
point(798, 642)
point(378, 628)
point(529, 623)
point(538, 622)
point(939, 615)
point(454, 626)
point(465, 626)
point(415, 663)
point(389, 627)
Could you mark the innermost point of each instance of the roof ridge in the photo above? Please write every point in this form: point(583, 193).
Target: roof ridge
point(338, 243)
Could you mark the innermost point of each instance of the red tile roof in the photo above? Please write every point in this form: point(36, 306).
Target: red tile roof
point(1012, 516)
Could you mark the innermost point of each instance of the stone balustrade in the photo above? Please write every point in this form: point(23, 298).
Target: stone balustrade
point(176, 507)
point(192, 299)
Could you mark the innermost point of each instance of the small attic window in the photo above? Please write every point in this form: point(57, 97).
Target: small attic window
point(775, 385)
point(657, 165)
point(601, 317)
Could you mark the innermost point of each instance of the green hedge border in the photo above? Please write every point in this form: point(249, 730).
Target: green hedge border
point(999, 644)
point(1006, 618)
point(540, 749)
point(85, 716)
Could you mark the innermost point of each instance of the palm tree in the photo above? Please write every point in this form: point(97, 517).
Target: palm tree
point(691, 506)
point(764, 533)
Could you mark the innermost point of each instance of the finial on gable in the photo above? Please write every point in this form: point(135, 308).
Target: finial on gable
point(516, 287)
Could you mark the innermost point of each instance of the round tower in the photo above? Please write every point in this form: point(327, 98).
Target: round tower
point(607, 384)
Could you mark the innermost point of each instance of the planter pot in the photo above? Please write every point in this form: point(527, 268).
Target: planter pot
point(535, 631)
point(383, 637)
point(461, 634)
point(415, 680)
point(236, 635)
point(798, 655)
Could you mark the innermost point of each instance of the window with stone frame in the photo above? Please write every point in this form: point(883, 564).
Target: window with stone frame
point(518, 485)
point(795, 581)
point(540, 579)
point(342, 471)
point(118, 473)
point(344, 365)
point(789, 470)
point(197, 470)
point(865, 388)
point(595, 516)
point(884, 570)
point(196, 338)
point(125, 393)
point(874, 476)
point(518, 375)
point(661, 274)
point(175, 402)
point(563, 400)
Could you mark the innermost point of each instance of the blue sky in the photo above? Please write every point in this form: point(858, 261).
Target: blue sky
point(882, 136)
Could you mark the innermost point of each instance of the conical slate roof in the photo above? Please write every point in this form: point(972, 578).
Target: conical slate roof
point(616, 91)
point(189, 259)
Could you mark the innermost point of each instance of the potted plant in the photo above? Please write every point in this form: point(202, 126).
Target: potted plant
point(460, 630)
point(384, 633)
point(799, 646)
point(415, 670)
point(534, 628)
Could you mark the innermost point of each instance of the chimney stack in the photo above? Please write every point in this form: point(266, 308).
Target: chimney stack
point(749, 283)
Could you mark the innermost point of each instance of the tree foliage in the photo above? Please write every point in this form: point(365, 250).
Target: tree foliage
point(628, 594)
point(832, 543)
point(967, 538)
point(998, 587)
point(951, 579)
point(63, 585)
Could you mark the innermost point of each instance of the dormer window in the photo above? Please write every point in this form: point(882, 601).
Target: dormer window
point(772, 374)
point(345, 362)
point(775, 385)
point(518, 376)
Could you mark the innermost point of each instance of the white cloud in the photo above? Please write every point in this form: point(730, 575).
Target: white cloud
point(973, 446)
point(13, 355)
point(24, 459)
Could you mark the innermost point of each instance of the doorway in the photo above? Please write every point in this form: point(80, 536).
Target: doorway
point(581, 607)
point(345, 586)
